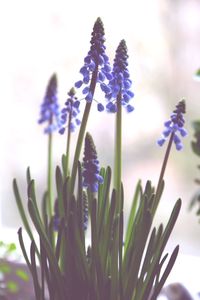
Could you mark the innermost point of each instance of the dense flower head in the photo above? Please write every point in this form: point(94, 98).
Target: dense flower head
point(50, 112)
point(70, 112)
point(97, 62)
point(91, 176)
point(174, 126)
point(85, 211)
point(120, 83)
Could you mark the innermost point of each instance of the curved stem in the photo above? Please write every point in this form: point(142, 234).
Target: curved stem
point(68, 147)
point(160, 180)
point(82, 130)
point(49, 178)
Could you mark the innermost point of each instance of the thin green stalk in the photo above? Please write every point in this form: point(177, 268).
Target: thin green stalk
point(160, 180)
point(68, 147)
point(82, 130)
point(50, 173)
point(118, 153)
point(117, 186)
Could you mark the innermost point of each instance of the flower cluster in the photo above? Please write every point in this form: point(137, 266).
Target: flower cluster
point(56, 216)
point(50, 108)
point(85, 211)
point(69, 112)
point(174, 125)
point(120, 84)
point(96, 62)
point(91, 176)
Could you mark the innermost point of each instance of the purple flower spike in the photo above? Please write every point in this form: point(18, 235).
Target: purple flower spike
point(50, 112)
point(174, 126)
point(96, 62)
point(85, 211)
point(120, 83)
point(91, 176)
point(70, 112)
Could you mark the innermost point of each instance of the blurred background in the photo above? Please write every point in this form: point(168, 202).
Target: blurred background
point(41, 37)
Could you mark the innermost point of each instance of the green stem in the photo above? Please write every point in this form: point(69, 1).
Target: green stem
point(49, 179)
point(82, 130)
point(118, 153)
point(68, 147)
point(160, 180)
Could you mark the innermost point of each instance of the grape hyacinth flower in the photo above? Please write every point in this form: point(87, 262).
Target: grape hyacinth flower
point(91, 176)
point(96, 66)
point(174, 126)
point(95, 70)
point(120, 84)
point(85, 211)
point(50, 108)
point(69, 112)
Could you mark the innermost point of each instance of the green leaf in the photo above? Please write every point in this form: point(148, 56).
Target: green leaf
point(76, 264)
point(44, 211)
point(132, 215)
point(21, 209)
point(195, 148)
point(59, 186)
point(12, 286)
point(195, 201)
point(4, 268)
point(154, 266)
point(11, 248)
point(103, 198)
point(37, 287)
point(59, 239)
point(47, 246)
point(28, 176)
point(121, 228)
point(21, 242)
point(165, 275)
point(106, 240)
point(81, 197)
point(22, 274)
point(32, 195)
point(33, 263)
point(114, 285)
point(195, 144)
point(197, 73)
point(95, 249)
point(130, 245)
point(147, 258)
point(150, 252)
point(63, 161)
point(45, 274)
point(135, 256)
point(196, 125)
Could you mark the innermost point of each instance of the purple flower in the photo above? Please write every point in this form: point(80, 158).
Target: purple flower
point(50, 108)
point(91, 176)
point(96, 64)
point(70, 112)
point(174, 126)
point(120, 84)
point(85, 211)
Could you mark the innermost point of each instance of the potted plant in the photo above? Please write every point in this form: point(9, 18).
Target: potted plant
point(113, 263)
